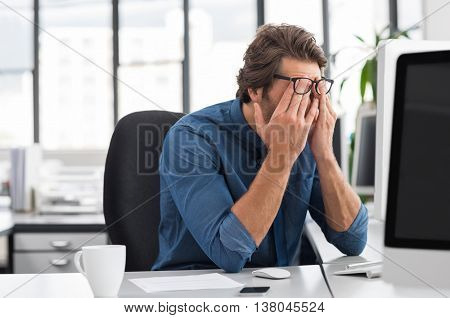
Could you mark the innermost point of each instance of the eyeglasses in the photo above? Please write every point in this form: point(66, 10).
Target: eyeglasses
point(302, 85)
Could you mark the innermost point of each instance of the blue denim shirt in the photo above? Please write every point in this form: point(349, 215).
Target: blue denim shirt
point(208, 161)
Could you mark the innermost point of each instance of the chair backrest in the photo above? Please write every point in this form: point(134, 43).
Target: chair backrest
point(131, 185)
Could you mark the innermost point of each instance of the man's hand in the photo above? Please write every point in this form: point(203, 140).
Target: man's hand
point(285, 136)
point(321, 136)
point(341, 203)
point(286, 133)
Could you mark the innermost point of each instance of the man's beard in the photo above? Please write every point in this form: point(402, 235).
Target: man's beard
point(268, 107)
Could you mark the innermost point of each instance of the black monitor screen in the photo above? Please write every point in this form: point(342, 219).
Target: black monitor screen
point(366, 161)
point(418, 205)
point(337, 141)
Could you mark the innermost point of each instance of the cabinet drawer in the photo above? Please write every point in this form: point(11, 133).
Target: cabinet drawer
point(56, 241)
point(45, 262)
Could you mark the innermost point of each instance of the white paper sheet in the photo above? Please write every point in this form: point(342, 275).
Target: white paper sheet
point(190, 282)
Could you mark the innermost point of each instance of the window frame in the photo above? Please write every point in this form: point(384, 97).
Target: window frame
point(186, 83)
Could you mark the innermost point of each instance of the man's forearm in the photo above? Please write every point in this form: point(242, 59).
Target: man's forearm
point(258, 207)
point(340, 201)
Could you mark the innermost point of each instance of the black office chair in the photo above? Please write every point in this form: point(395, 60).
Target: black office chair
point(131, 185)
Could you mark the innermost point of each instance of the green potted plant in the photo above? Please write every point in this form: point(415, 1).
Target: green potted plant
point(368, 77)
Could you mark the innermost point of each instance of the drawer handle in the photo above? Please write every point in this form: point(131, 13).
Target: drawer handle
point(60, 244)
point(59, 262)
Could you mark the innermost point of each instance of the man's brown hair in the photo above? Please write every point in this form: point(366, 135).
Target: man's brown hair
point(263, 56)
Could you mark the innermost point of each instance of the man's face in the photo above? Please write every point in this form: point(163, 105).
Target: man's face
point(292, 68)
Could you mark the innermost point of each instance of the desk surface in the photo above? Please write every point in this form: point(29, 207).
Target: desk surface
point(360, 286)
point(36, 222)
point(34, 218)
point(329, 254)
point(305, 281)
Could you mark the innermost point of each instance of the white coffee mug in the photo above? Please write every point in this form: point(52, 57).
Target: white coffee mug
point(103, 266)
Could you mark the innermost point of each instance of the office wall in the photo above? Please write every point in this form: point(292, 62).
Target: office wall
point(437, 25)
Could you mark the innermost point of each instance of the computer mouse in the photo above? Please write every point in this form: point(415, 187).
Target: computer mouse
point(271, 273)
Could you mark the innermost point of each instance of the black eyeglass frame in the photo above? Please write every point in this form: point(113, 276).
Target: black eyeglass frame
point(313, 82)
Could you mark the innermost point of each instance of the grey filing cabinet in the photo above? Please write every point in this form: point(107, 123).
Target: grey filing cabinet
point(43, 244)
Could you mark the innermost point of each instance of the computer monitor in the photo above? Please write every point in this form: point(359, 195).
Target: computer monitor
point(363, 168)
point(340, 145)
point(388, 53)
point(417, 204)
point(337, 141)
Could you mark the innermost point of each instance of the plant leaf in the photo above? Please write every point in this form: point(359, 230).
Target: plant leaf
point(372, 76)
point(359, 38)
point(400, 34)
point(363, 81)
point(384, 29)
point(341, 87)
point(404, 34)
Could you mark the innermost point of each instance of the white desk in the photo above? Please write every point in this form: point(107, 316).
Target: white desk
point(32, 222)
point(305, 281)
point(360, 286)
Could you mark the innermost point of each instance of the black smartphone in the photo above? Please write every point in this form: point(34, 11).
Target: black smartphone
point(254, 291)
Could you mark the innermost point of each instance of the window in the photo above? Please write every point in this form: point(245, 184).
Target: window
point(350, 53)
point(75, 74)
point(151, 54)
point(220, 32)
point(410, 13)
point(76, 58)
point(304, 13)
point(16, 79)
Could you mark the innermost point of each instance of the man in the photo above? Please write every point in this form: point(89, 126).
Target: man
point(238, 178)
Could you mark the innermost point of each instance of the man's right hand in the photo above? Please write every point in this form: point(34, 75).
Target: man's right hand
point(286, 133)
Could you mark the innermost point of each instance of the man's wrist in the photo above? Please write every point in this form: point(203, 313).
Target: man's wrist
point(277, 162)
point(325, 158)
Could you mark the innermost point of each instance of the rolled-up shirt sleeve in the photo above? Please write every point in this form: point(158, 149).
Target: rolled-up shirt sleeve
point(350, 242)
point(191, 168)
